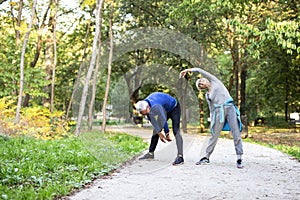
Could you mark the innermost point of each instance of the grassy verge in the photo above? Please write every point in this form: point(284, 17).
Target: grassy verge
point(282, 139)
point(293, 151)
point(47, 169)
point(277, 138)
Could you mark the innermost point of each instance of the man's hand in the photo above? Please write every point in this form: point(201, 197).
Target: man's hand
point(168, 138)
point(162, 137)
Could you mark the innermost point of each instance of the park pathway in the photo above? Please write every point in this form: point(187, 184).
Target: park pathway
point(268, 174)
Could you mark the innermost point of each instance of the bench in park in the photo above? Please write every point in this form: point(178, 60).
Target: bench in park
point(260, 121)
point(294, 120)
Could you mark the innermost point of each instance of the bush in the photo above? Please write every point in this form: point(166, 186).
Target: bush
point(36, 121)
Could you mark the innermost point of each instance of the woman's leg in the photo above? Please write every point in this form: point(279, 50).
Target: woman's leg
point(231, 117)
point(218, 126)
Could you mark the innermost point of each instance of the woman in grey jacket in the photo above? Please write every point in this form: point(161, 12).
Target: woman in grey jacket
point(222, 109)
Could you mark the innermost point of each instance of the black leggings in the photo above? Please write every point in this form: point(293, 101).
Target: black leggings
point(174, 115)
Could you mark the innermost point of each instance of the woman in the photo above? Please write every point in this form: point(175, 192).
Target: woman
point(222, 109)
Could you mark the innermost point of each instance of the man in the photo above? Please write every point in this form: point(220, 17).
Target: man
point(222, 109)
point(159, 107)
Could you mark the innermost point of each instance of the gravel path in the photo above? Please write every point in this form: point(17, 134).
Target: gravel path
point(268, 174)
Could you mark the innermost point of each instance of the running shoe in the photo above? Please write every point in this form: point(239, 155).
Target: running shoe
point(203, 161)
point(178, 161)
point(148, 155)
point(239, 164)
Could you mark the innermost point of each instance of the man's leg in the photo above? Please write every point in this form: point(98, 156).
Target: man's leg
point(175, 117)
point(153, 143)
point(152, 147)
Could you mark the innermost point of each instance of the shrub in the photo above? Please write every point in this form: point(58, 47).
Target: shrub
point(36, 121)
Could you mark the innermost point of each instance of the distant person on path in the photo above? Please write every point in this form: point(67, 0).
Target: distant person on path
point(222, 110)
point(159, 107)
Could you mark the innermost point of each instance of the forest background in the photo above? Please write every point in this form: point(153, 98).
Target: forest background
point(51, 55)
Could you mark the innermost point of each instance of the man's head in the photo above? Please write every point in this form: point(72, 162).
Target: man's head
point(142, 107)
point(202, 83)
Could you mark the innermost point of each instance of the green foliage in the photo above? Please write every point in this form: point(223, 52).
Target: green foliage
point(34, 76)
point(286, 33)
point(47, 169)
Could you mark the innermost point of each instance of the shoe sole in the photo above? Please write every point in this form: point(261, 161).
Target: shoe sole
point(146, 158)
point(177, 164)
point(202, 163)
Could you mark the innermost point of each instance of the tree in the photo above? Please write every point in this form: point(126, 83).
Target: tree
point(76, 84)
point(91, 68)
point(17, 118)
point(109, 66)
point(96, 71)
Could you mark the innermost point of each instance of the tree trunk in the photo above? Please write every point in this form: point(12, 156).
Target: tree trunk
point(233, 56)
point(48, 66)
point(17, 30)
point(75, 88)
point(134, 83)
point(109, 66)
point(238, 78)
point(94, 87)
point(286, 102)
point(243, 96)
point(17, 118)
point(26, 100)
point(49, 55)
point(49, 61)
point(90, 70)
point(55, 55)
point(39, 38)
point(183, 106)
point(38, 49)
point(201, 111)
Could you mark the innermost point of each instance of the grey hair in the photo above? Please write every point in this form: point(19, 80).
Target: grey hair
point(141, 105)
point(203, 80)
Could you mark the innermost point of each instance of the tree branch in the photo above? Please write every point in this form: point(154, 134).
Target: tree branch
point(2, 1)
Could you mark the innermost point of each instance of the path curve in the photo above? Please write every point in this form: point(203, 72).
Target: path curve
point(268, 174)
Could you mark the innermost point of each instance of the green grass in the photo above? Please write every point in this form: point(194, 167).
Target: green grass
point(293, 151)
point(48, 169)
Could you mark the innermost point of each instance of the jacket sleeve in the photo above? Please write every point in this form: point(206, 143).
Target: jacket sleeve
point(205, 73)
point(158, 118)
point(166, 127)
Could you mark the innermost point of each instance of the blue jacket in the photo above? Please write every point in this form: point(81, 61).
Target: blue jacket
point(160, 105)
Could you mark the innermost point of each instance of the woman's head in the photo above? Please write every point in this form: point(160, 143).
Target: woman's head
point(202, 83)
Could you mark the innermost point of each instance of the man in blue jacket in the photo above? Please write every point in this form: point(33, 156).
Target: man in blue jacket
point(159, 107)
